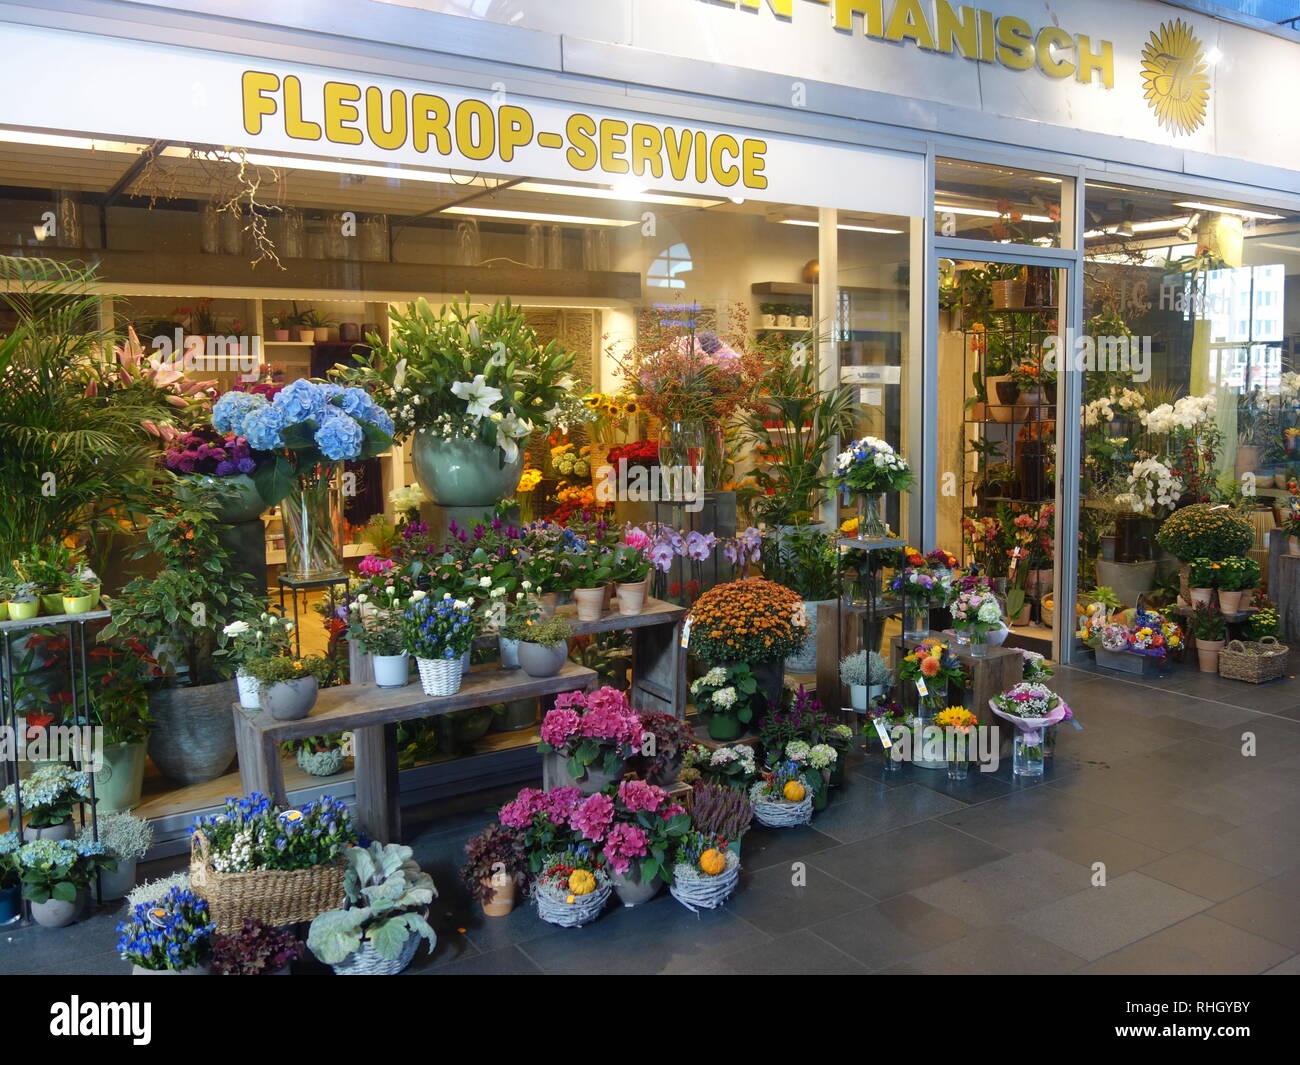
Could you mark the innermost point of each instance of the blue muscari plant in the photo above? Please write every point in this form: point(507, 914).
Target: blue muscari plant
point(173, 933)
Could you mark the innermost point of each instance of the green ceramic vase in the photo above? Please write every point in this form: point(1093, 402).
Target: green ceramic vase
point(464, 473)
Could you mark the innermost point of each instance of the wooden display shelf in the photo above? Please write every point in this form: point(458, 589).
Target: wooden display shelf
point(371, 714)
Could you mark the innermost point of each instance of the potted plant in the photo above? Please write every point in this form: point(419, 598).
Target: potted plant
point(55, 876)
point(781, 798)
point(287, 687)
point(22, 603)
point(635, 827)
point(126, 840)
point(281, 323)
point(545, 648)
point(314, 327)
point(589, 736)
point(732, 767)
point(521, 613)
point(664, 740)
point(496, 868)
point(1007, 284)
point(182, 611)
point(956, 723)
point(754, 621)
point(438, 632)
point(630, 572)
point(1208, 627)
point(227, 462)
point(267, 635)
point(252, 860)
point(855, 675)
point(572, 888)
point(10, 878)
point(817, 761)
point(78, 596)
point(588, 569)
point(722, 813)
point(378, 929)
point(120, 674)
point(705, 871)
point(255, 950)
point(49, 567)
point(768, 313)
point(48, 795)
point(804, 559)
point(376, 626)
point(170, 936)
point(1205, 530)
point(476, 384)
point(1238, 575)
point(320, 756)
point(724, 697)
point(1202, 578)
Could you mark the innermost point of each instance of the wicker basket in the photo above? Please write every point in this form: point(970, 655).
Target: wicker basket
point(780, 814)
point(553, 905)
point(276, 897)
point(440, 677)
point(699, 891)
point(1253, 661)
point(369, 962)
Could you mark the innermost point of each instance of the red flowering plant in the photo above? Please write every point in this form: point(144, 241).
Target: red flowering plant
point(590, 729)
point(642, 453)
point(634, 825)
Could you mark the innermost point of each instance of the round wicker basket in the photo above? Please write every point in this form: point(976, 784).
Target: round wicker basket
point(440, 676)
point(553, 905)
point(778, 813)
point(369, 962)
point(696, 890)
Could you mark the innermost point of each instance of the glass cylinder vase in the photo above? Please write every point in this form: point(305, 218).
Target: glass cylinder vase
point(927, 737)
point(313, 524)
point(693, 449)
point(916, 622)
point(1027, 755)
point(1049, 742)
point(871, 516)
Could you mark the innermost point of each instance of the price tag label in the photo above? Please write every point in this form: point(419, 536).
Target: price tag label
point(920, 686)
point(883, 733)
point(1015, 558)
point(686, 633)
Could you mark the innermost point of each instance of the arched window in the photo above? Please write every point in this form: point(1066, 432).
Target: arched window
point(667, 270)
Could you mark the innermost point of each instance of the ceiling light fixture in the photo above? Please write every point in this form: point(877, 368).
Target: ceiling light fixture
point(854, 228)
point(1221, 209)
point(57, 140)
point(539, 216)
point(984, 212)
point(554, 189)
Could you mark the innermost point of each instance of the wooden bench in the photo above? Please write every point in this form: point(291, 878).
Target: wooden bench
point(371, 714)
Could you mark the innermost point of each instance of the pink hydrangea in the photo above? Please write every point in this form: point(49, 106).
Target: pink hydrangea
point(560, 802)
point(519, 812)
point(671, 810)
point(560, 725)
point(607, 698)
point(637, 795)
point(593, 816)
point(617, 726)
point(568, 700)
point(624, 843)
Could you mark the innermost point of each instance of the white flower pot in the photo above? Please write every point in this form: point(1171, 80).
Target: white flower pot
point(249, 699)
point(391, 671)
point(440, 676)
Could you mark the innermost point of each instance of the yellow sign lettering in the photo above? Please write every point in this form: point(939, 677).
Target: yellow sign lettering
point(389, 135)
point(256, 85)
point(341, 109)
point(1048, 38)
point(1015, 43)
point(612, 146)
point(1102, 61)
point(908, 22)
point(581, 131)
point(647, 150)
point(959, 32)
point(475, 129)
point(515, 127)
point(294, 124)
point(430, 117)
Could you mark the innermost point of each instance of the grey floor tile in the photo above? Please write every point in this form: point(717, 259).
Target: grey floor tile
point(797, 952)
point(891, 931)
point(888, 865)
point(856, 816)
point(1198, 946)
point(992, 893)
point(1255, 846)
point(781, 899)
point(1290, 967)
point(1203, 874)
point(780, 846)
point(1169, 828)
point(1002, 950)
point(1264, 913)
point(1101, 920)
point(504, 961)
point(1087, 846)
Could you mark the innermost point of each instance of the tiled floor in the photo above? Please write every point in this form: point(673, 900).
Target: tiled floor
point(1165, 839)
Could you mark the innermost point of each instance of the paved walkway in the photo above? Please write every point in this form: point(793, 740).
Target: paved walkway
point(1200, 846)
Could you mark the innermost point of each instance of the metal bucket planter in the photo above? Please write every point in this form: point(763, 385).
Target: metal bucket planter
point(194, 735)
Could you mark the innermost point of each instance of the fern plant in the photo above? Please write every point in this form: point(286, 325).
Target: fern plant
point(385, 899)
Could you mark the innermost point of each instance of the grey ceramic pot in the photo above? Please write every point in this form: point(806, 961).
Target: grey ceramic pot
point(463, 472)
point(194, 736)
point(53, 913)
point(290, 700)
point(631, 889)
point(542, 660)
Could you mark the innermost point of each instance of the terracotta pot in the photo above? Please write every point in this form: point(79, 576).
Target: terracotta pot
point(631, 598)
point(1207, 652)
point(280, 336)
point(306, 336)
point(1247, 599)
point(503, 898)
point(1201, 595)
point(590, 602)
point(1229, 602)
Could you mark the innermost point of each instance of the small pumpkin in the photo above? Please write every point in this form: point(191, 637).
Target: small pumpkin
point(581, 882)
point(713, 862)
point(794, 791)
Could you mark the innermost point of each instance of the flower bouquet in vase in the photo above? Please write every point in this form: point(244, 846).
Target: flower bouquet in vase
point(312, 427)
point(867, 469)
point(975, 614)
point(918, 588)
point(1031, 708)
point(929, 668)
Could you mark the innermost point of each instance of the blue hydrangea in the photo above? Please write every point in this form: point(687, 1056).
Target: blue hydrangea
point(231, 411)
point(301, 400)
point(338, 436)
point(263, 428)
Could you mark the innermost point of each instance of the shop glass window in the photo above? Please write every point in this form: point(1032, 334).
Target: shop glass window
point(978, 201)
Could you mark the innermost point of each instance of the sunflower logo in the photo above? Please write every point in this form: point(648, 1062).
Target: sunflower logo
point(1174, 73)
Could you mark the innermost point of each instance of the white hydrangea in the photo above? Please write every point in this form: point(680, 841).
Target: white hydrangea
point(724, 697)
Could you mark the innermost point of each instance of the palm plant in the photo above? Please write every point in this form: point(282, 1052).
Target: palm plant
point(74, 437)
point(790, 431)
